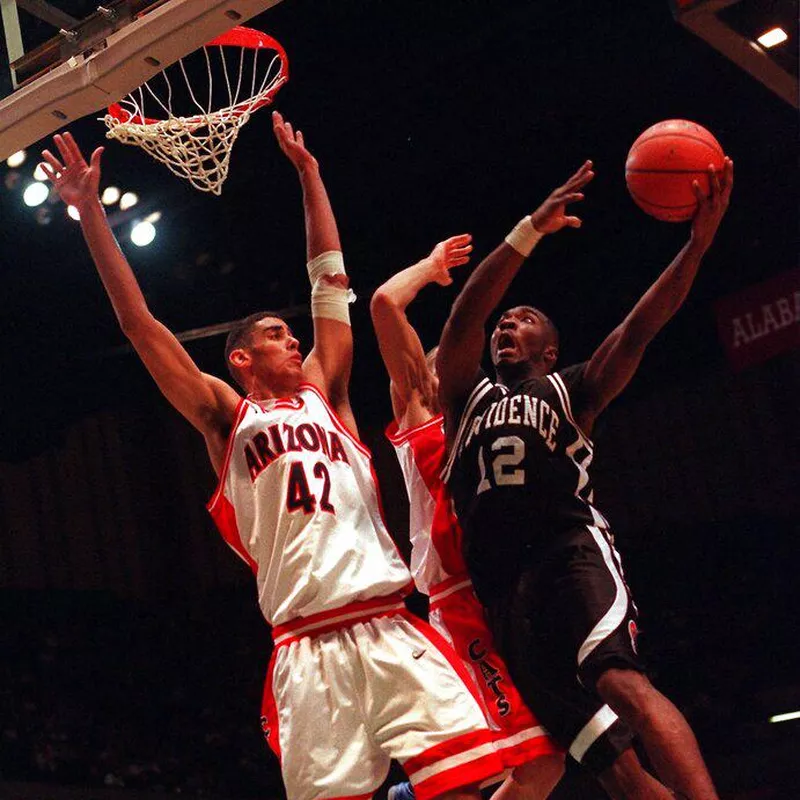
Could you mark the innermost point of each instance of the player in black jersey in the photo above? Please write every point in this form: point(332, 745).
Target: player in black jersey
point(541, 555)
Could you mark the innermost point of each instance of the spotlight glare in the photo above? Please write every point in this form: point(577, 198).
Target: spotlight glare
point(16, 159)
point(128, 200)
point(39, 174)
point(142, 233)
point(772, 37)
point(35, 194)
point(110, 195)
point(790, 715)
point(73, 213)
point(154, 217)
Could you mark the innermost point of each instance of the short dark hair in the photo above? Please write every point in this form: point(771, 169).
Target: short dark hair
point(239, 336)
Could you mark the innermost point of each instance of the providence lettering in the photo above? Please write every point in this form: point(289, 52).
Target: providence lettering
point(268, 445)
point(519, 409)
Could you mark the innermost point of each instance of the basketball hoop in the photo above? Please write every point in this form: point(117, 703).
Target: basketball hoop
point(195, 140)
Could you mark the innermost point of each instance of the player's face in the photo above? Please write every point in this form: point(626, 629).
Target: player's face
point(521, 335)
point(275, 357)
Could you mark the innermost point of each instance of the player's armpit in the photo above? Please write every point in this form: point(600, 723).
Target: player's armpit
point(207, 402)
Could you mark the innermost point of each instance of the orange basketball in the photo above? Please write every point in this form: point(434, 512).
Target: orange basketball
point(662, 164)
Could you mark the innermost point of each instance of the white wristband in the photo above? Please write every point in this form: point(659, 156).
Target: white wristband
point(524, 237)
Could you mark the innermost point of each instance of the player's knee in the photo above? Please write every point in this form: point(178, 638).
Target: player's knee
point(629, 693)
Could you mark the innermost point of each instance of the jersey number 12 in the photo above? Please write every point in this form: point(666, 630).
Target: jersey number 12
point(507, 453)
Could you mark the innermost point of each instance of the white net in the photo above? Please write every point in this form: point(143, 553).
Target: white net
point(194, 137)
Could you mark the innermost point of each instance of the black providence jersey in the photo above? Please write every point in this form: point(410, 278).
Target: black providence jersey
point(518, 472)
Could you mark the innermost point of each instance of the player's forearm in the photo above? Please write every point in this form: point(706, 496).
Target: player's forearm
point(485, 288)
point(663, 299)
point(322, 235)
point(401, 289)
point(115, 272)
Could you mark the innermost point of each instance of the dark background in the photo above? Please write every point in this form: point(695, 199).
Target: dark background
point(131, 647)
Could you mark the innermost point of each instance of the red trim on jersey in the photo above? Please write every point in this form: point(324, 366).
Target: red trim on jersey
point(472, 773)
point(341, 617)
point(383, 514)
point(366, 796)
point(446, 649)
point(224, 515)
point(397, 436)
point(515, 755)
point(336, 419)
point(223, 473)
point(270, 719)
point(448, 583)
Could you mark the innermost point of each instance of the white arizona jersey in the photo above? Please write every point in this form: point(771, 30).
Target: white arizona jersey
point(433, 528)
point(298, 501)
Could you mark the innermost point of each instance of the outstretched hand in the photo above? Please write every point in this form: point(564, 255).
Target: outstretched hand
point(452, 252)
point(76, 182)
point(292, 143)
point(711, 208)
point(551, 215)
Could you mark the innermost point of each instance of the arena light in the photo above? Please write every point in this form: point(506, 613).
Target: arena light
point(16, 159)
point(73, 213)
point(39, 174)
point(790, 715)
point(110, 195)
point(772, 37)
point(143, 233)
point(154, 217)
point(128, 200)
point(35, 194)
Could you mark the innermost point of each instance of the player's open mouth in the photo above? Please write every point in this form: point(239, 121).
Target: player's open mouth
point(505, 342)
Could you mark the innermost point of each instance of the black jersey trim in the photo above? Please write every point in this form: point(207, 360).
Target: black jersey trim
point(616, 614)
point(563, 393)
point(476, 395)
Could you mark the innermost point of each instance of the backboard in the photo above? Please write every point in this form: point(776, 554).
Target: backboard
point(92, 62)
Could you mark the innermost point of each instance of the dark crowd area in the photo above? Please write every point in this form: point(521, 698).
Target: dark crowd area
point(97, 691)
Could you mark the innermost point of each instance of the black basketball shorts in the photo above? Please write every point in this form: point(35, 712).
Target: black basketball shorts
point(560, 625)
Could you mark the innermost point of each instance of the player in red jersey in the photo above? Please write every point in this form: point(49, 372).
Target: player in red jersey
point(354, 679)
point(437, 564)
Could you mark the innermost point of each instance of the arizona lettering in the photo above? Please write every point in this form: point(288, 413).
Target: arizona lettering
point(277, 440)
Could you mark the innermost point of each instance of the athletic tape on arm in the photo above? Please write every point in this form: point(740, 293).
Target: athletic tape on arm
point(328, 300)
point(524, 237)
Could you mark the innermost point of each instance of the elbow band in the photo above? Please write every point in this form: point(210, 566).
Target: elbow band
point(331, 301)
point(328, 263)
point(524, 237)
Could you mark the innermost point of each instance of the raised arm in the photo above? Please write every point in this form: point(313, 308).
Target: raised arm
point(463, 339)
point(616, 360)
point(329, 363)
point(207, 402)
point(412, 387)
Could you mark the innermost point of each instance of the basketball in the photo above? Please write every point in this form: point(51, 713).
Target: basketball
point(662, 164)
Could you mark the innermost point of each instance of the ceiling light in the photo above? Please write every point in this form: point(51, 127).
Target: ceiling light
point(128, 200)
point(73, 213)
point(154, 217)
point(110, 195)
point(35, 194)
point(142, 233)
point(772, 37)
point(39, 174)
point(17, 159)
point(790, 715)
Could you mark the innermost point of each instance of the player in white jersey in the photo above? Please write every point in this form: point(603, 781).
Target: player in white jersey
point(437, 563)
point(354, 679)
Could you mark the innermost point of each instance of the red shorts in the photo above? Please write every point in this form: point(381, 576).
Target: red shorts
point(456, 613)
